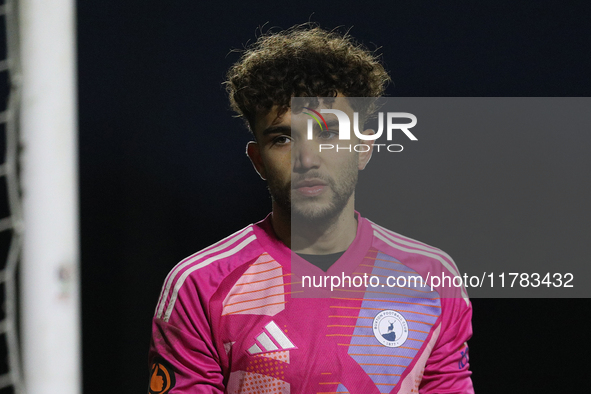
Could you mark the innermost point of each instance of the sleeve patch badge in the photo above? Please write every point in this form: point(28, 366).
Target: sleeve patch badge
point(161, 377)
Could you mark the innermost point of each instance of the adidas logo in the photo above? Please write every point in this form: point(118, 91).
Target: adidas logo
point(271, 339)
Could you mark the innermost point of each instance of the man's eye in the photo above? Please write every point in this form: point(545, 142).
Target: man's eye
point(282, 140)
point(327, 134)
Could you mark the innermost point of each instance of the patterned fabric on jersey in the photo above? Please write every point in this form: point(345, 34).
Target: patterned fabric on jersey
point(230, 320)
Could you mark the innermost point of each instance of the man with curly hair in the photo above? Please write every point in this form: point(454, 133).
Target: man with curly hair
point(232, 318)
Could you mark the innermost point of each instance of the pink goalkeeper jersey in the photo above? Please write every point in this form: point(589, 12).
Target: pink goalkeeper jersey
point(228, 321)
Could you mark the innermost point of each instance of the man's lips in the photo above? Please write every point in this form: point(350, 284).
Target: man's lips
point(308, 183)
point(310, 187)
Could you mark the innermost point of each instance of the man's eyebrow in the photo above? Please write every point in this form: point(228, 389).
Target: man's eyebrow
point(284, 129)
point(277, 130)
point(332, 123)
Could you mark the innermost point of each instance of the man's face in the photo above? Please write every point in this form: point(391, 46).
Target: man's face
point(310, 185)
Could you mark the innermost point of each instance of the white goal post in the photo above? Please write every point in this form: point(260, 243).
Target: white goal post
point(50, 293)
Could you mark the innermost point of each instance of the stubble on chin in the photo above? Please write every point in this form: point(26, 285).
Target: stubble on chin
point(318, 212)
point(314, 211)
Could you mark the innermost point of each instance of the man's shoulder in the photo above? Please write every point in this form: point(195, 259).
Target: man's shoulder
point(424, 259)
point(222, 256)
point(204, 271)
point(410, 250)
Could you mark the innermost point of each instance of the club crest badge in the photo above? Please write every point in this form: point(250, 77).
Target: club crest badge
point(390, 328)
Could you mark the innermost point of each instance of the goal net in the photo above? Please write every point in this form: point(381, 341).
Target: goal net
point(10, 203)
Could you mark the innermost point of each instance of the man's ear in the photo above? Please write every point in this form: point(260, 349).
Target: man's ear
point(364, 157)
point(254, 154)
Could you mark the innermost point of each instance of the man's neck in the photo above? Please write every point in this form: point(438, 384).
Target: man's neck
point(331, 237)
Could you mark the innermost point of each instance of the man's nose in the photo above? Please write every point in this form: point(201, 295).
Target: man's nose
point(305, 155)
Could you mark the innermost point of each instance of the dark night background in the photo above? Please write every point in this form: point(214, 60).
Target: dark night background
point(163, 171)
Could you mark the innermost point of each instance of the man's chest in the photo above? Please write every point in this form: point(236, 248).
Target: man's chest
point(360, 343)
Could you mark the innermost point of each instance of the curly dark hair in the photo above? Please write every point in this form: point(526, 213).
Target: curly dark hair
point(303, 61)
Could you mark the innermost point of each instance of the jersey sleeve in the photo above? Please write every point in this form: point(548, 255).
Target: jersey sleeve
point(183, 357)
point(447, 369)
